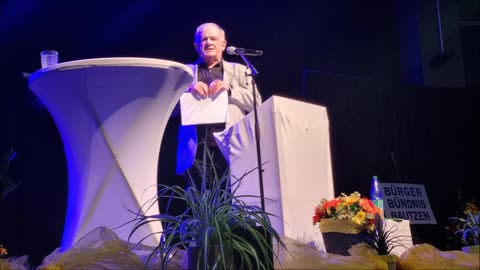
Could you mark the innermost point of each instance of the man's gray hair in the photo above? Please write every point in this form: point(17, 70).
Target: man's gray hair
point(203, 25)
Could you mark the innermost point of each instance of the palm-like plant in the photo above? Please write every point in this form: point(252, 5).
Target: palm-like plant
point(383, 239)
point(214, 219)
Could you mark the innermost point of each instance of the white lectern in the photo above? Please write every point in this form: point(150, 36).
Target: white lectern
point(111, 114)
point(295, 145)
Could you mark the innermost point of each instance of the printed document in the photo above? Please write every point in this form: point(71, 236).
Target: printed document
point(210, 110)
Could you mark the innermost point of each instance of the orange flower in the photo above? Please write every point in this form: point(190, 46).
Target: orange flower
point(368, 206)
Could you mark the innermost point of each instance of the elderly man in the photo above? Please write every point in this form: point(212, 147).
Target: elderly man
point(212, 74)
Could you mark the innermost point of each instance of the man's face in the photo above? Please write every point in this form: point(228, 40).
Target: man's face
point(210, 43)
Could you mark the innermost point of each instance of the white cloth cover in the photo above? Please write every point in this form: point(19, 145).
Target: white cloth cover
point(111, 114)
point(295, 147)
point(401, 233)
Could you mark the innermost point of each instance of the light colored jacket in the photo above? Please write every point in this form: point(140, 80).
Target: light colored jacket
point(240, 102)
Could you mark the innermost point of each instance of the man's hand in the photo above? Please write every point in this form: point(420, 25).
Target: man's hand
point(216, 86)
point(199, 89)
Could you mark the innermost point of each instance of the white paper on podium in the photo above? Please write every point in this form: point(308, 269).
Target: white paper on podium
point(195, 110)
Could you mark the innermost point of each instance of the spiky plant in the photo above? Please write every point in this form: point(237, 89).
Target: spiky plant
point(7, 184)
point(383, 239)
point(214, 217)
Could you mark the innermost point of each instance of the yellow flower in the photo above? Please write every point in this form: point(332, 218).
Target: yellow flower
point(351, 200)
point(359, 217)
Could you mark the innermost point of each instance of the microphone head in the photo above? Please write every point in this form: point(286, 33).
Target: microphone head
point(231, 50)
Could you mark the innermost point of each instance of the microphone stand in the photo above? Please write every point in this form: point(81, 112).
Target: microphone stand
point(257, 128)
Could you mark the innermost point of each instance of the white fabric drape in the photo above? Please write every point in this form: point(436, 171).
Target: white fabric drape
point(295, 150)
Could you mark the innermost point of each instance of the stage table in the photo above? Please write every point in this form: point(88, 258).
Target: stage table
point(111, 114)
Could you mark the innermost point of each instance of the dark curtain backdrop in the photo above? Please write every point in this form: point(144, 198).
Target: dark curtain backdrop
point(403, 134)
point(340, 54)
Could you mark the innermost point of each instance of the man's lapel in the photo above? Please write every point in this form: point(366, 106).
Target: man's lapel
point(227, 72)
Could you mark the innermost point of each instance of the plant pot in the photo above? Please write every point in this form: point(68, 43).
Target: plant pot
point(195, 255)
point(391, 261)
point(340, 235)
point(471, 249)
point(256, 246)
point(196, 258)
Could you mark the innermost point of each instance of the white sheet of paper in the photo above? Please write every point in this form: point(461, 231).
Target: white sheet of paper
point(210, 110)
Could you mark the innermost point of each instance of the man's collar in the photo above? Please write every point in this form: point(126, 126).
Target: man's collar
point(202, 64)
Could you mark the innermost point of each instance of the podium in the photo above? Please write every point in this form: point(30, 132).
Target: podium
point(111, 114)
point(295, 147)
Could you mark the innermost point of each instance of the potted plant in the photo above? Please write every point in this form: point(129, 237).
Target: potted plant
point(7, 184)
point(217, 228)
point(383, 240)
point(343, 220)
point(468, 227)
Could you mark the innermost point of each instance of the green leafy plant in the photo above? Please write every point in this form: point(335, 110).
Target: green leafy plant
point(217, 224)
point(467, 225)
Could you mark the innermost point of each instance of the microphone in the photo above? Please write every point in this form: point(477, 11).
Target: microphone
point(232, 50)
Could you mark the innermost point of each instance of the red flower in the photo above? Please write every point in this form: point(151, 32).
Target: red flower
point(333, 203)
point(318, 215)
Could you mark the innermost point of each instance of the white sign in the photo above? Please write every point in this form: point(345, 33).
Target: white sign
point(407, 201)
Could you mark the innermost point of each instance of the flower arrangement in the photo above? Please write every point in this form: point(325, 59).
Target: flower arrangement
point(3, 251)
point(352, 208)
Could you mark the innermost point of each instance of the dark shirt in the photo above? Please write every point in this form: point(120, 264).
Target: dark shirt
point(205, 131)
point(208, 75)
